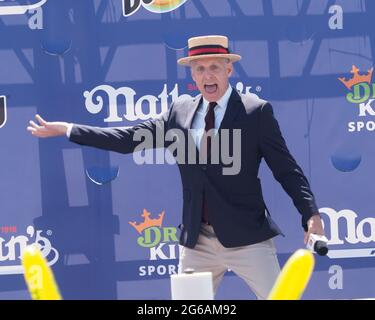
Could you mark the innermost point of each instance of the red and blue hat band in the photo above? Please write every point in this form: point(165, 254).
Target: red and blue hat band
point(208, 49)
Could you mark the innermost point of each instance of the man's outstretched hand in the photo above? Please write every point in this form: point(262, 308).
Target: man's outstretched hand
point(47, 129)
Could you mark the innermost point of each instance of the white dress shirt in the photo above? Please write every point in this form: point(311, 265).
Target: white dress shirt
point(69, 130)
point(199, 124)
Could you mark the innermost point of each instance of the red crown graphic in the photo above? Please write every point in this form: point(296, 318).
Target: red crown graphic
point(147, 223)
point(357, 78)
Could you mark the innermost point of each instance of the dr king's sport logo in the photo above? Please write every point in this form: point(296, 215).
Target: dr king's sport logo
point(160, 243)
point(361, 94)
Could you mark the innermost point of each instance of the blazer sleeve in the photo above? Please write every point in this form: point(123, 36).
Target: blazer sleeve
point(123, 139)
point(283, 166)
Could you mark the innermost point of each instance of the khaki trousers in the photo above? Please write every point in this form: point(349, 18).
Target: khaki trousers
point(256, 264)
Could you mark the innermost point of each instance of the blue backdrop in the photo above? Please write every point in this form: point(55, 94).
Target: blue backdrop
point(113, 63)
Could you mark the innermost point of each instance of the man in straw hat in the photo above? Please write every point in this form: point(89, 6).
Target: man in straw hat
point(225, 223)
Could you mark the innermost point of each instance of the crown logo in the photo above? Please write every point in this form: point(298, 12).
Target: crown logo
point(147, 223)
point(357, 78)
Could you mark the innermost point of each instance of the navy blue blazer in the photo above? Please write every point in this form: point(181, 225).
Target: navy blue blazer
point(236, 206)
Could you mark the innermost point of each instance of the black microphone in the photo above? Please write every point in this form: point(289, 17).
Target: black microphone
point(317, 243)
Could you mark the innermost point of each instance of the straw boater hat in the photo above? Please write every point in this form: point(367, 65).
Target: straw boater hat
point(208, 47)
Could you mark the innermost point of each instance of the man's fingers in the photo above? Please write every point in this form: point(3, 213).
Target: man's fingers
point(35, 132)
point(31, 129)
point(41, 120)
point(306, 237)
point(34, 125)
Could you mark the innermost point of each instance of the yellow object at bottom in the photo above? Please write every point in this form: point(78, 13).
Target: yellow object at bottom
point(294, 276)
point(38, 275)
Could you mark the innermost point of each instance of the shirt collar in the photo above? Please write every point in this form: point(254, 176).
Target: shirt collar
point(222, 102)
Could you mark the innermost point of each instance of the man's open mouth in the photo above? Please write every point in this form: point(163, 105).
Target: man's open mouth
point(210, 88)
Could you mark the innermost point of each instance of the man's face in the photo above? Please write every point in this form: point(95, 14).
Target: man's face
point(211, 76)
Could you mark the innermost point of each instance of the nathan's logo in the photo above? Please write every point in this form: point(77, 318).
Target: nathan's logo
point(134, 108)
point(157, 6)
point(161, 242)
point(144, 107)
point(3, 111)
point(11, 250)
point(10, 8)
point(345, 228)
point(362, 93)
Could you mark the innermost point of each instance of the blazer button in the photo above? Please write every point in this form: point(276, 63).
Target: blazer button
point(204, 168)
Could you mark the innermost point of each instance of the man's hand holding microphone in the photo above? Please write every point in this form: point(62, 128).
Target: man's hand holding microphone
point(314, 237)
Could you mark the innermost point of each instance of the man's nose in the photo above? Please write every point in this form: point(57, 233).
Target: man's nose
point(207, 74)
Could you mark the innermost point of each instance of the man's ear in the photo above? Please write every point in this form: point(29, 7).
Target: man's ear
point(192, 74)
point(230, 68)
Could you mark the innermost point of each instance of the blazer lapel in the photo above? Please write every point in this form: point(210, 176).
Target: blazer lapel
point(190, 113)
point(191, 110)
point(233, 107)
